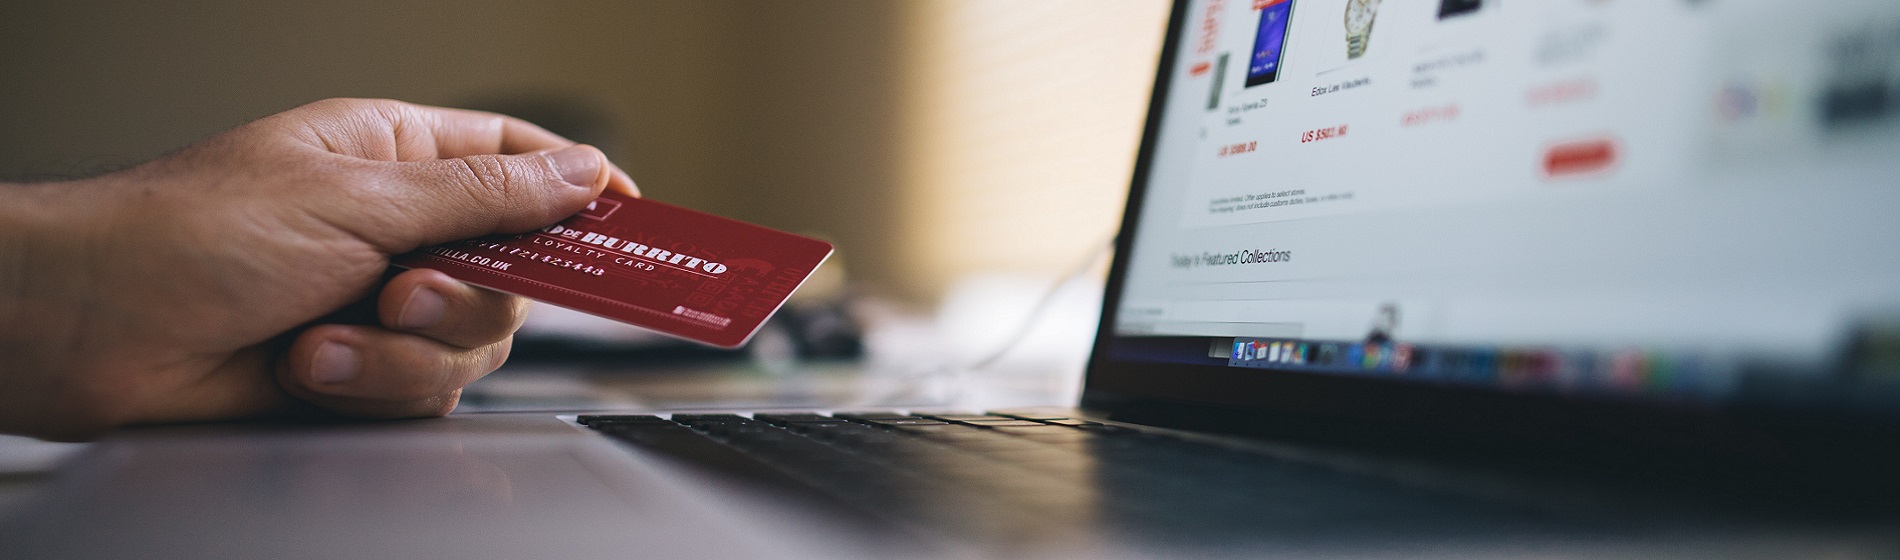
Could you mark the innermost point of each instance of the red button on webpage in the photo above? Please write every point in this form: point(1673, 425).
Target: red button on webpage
point(1580, 158)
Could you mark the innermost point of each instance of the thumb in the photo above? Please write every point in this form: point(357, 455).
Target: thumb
point(443, 200)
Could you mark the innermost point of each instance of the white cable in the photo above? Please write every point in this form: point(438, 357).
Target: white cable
point(1042, 306)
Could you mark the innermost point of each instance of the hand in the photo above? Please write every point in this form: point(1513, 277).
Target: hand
point(219, 282)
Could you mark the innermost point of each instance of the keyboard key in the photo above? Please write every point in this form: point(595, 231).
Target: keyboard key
point(909, 421)
point(968, 417)
point(796, 418)
point(1031, 416)
point(604, 419)
point(1006, 422)
point(872, 415)
point(940, 428)
point(690, 418)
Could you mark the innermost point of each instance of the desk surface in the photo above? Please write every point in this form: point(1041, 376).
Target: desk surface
point(27, 466)
point(420, 459)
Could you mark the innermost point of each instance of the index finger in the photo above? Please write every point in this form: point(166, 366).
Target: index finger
point(463, 132)
point(389, 130)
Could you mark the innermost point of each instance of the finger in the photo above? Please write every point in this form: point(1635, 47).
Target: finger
point(508, 193)
point(382, 130)
point(378, 364)
point(621, 183)
point(452, 133)
point(429, 303)
point(390, 130)
point(427, 203)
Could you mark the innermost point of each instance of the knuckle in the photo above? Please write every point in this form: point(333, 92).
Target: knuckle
point(494, 316)
point(430, 406)
point(482, 334)
point(330, 104)
point(419, 378)
point(373, 104)
point(419, 386)
point(354, 104)
point(489, 174)
point(445, 404)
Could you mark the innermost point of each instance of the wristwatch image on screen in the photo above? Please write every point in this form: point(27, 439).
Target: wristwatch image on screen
point(1359, 14)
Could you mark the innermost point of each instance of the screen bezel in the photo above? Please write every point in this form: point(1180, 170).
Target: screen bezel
point(1778, 443)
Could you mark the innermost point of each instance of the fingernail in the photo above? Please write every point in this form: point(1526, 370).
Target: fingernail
point(577, 164)
point(423, 310)
point(334, 363)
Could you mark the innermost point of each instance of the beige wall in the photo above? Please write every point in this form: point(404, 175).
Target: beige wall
point(1021, 123)
point(821, 143)
point(806, 116)
point(93, 82)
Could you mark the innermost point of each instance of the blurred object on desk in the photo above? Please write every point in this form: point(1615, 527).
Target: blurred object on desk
point(1014, 333)
point(804, 331)
point(905, 359)
point(26, 465)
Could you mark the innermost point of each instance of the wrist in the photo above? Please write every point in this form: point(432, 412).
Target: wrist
point(40, 314)
point(22, 225)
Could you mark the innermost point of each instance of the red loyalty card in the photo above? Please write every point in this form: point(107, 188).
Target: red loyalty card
point(685, 273)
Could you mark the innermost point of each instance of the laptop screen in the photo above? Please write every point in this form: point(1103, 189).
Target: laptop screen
point(1694, 202)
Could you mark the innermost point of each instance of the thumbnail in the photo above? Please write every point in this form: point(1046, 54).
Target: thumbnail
point(1864, 83)
point(1220, 80)
point(1269, 46)
point(1359, 16)
point(1453, 8)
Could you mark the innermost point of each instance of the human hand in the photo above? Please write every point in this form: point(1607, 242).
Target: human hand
point(218, 282)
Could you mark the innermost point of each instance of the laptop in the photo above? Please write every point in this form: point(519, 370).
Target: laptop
point(1453, 278)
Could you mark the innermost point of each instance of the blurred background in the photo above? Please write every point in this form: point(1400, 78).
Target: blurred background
point(961, 154)
point(928, 139)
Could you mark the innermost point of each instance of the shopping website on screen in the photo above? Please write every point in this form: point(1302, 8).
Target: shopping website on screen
point(1618, 192)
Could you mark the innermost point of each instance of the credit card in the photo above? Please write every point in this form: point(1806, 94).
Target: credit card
point(681, 272)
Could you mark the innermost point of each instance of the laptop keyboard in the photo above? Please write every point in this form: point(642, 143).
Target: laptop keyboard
point(1003, 475)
